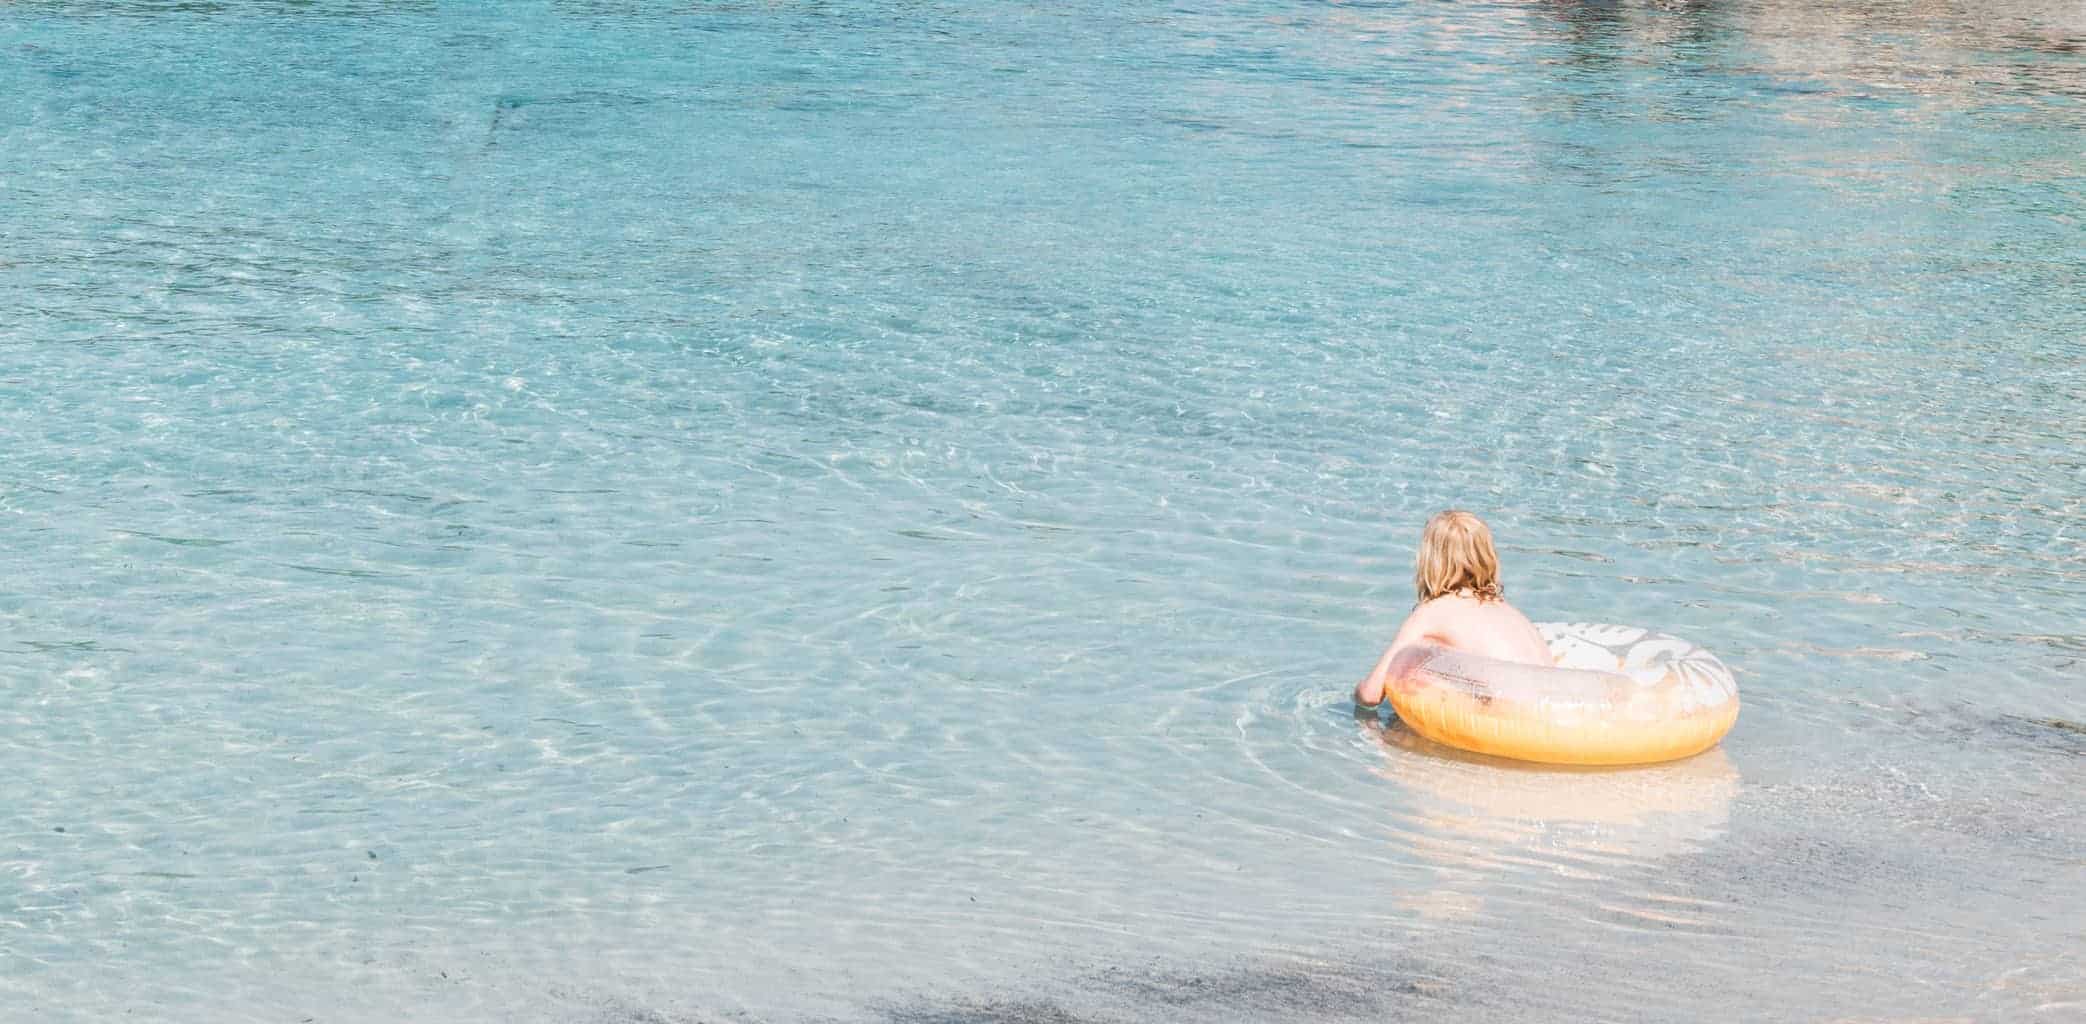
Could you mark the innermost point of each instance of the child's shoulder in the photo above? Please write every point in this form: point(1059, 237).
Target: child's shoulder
point(1443, 608)
point(1466, 606)
point(1450, 602)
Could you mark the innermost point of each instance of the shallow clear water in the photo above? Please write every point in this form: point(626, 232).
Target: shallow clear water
point(840, 511)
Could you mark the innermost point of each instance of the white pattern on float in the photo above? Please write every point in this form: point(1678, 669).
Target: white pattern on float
point(1644, 657)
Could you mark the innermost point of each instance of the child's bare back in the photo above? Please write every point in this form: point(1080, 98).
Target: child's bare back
point(1490, 627)
point(1461, 603)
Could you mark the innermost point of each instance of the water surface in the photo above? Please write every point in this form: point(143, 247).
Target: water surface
point(860, 512)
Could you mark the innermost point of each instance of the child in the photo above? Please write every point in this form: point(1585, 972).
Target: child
point(1461, 603)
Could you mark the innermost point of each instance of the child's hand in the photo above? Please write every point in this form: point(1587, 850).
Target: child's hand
point(1369, 692)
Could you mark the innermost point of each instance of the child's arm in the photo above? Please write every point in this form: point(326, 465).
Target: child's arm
point(1369, 692)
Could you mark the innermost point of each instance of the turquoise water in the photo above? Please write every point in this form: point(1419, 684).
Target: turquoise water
point(854, 512)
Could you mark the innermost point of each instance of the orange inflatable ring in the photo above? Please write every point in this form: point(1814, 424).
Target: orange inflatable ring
point(1615, 695)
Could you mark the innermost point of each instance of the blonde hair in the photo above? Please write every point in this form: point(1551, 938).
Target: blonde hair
point(1456, 557)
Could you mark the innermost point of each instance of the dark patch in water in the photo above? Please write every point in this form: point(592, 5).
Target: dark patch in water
point(2058, 734)
point(1302, 990)
point(1970, 726)
point(927, 535)
point(1254, 991)
point(624, 1015)
point(614, 1011)
point(353, 574)
point(2059, 723)
point(187, 542)
point(990, 1012)
point(1801, 865)
point(69, 647)
point(576, 114)
point(1319, 991)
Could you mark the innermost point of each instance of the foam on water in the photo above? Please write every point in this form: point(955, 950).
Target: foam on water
point(786, 511)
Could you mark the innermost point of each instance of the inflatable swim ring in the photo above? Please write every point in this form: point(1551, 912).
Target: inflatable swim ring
point(1616, 695)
